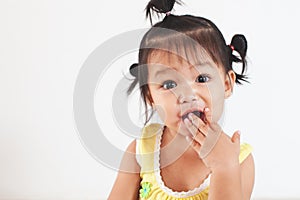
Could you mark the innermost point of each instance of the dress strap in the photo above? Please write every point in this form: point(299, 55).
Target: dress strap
point(245, 151)
point(146, 147)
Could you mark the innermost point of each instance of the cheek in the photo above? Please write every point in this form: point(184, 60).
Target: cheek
point(160, 111)
point(218, 110)
point(217, 101)
point(165, 105)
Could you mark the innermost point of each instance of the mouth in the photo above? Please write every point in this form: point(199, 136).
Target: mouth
point(198, 113)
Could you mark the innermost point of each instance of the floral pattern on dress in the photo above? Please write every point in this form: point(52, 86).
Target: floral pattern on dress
point(145, 190)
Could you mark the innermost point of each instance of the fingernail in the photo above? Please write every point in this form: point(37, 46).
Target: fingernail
point(206, 109)
point(187, 121)
point(190, 116)
point(239, 132)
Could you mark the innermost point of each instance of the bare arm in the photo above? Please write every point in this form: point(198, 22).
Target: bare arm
point(236, 182)
point(248, 174)
point(127, 183)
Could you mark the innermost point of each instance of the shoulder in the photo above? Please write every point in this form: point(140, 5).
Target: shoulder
point(131, 148)
point(127, 183)
point(247, 175)
point(146, 143)
point(129, 162)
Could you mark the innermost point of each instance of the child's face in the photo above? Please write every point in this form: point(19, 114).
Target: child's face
point(178, 88)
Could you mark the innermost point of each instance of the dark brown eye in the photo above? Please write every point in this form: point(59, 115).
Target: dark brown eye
point(169, 84)
point(202, 78)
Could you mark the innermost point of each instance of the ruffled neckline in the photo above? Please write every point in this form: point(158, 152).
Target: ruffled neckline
point(169, 191)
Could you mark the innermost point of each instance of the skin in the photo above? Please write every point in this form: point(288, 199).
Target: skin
point(177, 87)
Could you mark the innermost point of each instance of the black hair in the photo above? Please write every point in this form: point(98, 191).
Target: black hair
point(185, 35)
point(159, 6)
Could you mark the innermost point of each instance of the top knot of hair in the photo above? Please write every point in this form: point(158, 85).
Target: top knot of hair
point(160, 7)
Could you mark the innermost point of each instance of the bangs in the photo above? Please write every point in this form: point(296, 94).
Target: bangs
point(186, 47)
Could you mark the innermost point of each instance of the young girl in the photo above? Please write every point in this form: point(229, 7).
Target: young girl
point(185, 74)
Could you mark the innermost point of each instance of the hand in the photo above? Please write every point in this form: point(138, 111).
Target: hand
point(220, 154)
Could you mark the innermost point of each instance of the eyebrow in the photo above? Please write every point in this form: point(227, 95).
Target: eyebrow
point(163, 71)
point(202, 65)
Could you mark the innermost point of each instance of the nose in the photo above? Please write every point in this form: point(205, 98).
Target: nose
point(187, 98)
point(186, 92)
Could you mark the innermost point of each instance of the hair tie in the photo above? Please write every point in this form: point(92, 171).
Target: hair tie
point(168, 13)
point(231, 47)
point(134, 69)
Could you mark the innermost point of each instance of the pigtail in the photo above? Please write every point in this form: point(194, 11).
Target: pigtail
point(239, 44)
point(133, 70)
point(139, 74)
point(160, 7)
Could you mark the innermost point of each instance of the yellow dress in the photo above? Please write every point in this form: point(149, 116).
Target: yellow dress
point(152, 186)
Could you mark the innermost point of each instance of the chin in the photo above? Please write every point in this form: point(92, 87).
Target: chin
point(182, 129)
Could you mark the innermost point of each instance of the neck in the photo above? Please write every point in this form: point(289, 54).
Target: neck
point(173, 146)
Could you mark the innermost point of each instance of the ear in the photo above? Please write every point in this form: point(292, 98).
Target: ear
point(229, 83)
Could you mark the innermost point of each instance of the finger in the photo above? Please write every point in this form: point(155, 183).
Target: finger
point(200, 138)
point(211, 140)
point(196, 121)
point(190, 126)
point(208, 115)
point(236, 137)
point(194, 144)
point(199, 125)
point(204, 129)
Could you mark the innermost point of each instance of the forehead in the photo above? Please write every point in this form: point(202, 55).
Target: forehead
point(184, 53)
point(159, 60)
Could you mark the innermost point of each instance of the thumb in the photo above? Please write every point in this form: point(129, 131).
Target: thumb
point(236, 137)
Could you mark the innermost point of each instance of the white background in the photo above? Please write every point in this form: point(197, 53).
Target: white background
point(43, 45)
